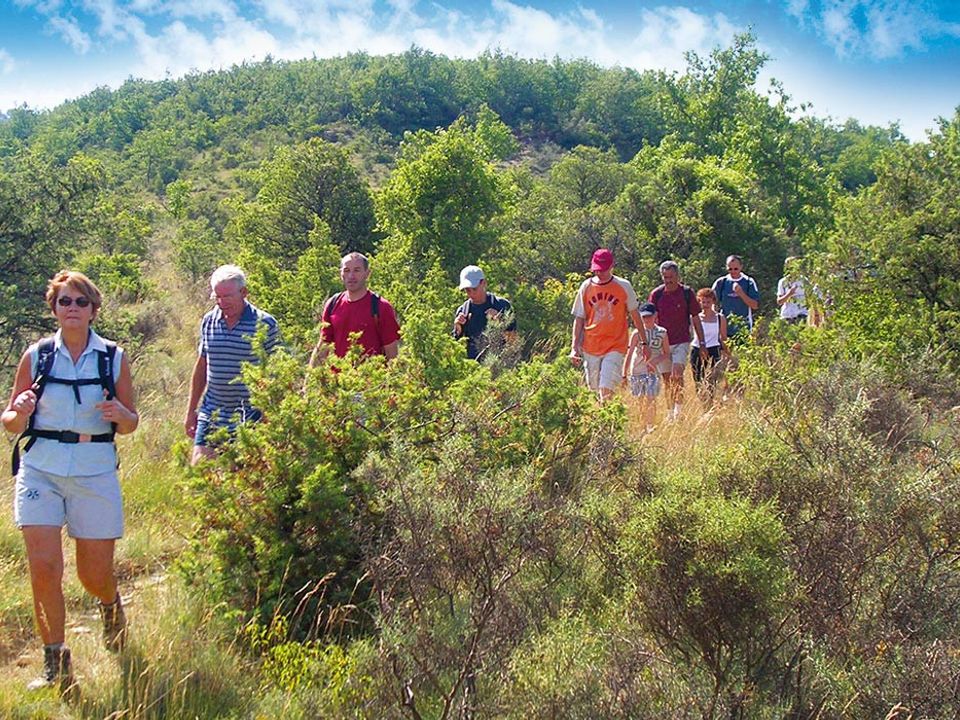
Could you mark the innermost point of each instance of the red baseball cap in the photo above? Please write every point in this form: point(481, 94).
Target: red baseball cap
point(602, 260)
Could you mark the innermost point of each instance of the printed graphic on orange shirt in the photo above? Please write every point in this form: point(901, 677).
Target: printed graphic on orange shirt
point(602, 305)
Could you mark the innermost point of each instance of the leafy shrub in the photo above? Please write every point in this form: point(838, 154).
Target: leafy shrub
point(712, 583)
point(309, 679)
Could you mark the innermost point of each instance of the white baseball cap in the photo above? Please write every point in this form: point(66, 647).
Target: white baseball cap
point(470, 277)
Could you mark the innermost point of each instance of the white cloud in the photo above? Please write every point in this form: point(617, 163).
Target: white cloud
point(7, 63)
point(115, 22)
point(179, 49)
point(334, 27)
point(879, 29)
point(171, 37)
point(69, 30)
point(667, 33)
point(797, 8)
point(200, 9)
point(44, 7)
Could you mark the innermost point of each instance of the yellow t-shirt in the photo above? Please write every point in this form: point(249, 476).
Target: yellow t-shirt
point(604, 308)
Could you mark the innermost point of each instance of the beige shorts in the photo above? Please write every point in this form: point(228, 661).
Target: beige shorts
point(90, 506)
point(603, 371)
point(678, 356)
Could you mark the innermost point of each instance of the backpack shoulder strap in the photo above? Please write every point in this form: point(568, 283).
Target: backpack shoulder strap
point(375, 306)
point(687, 295)
point(46, 352)
point(657, 296)
point(329, 305)
point(105, 360)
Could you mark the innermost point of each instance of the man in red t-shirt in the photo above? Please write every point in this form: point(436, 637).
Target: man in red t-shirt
point(357, 310)
point(677, 307)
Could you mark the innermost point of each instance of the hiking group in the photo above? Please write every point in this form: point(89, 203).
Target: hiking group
point(675, 325)
point(73, 393)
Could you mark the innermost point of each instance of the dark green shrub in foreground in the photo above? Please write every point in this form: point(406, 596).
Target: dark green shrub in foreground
point(279, 513)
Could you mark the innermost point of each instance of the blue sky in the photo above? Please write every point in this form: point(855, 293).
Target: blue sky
point(879, 61)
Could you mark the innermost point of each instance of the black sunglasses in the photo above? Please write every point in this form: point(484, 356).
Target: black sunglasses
point(68, 301)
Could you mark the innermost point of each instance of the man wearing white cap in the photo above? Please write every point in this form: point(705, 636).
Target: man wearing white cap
point(471, 318)
point(600, 328)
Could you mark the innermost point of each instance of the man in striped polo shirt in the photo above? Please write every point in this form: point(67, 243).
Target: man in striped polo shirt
point(226, 333)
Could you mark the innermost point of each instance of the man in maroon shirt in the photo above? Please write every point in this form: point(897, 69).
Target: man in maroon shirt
point(357, 310)
point(677, 306)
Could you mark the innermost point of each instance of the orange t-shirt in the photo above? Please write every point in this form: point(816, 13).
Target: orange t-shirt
point(604, 308)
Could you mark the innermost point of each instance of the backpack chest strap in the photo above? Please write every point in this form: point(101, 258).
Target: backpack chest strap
point(76, 384)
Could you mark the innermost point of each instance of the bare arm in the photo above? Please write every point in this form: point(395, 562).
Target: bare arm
point(320, 352)
point(458, 322)
point(748, 301)
point(642, 335)
point(665, 352)
point(631, 349)
point(787, 294)
point(724, 347)
point(23, 401)
point(576, 341)
point(698, 329)
point(390, 351)
point(198, 383)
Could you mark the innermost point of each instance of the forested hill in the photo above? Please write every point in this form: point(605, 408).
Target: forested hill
point(656, 165)
point(566, 103)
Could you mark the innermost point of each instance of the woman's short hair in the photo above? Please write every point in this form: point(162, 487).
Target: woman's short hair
point(705, 293)
point(76, 281)
point(226, 273)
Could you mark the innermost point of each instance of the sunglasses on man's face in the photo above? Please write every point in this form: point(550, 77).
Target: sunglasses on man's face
point(65, 301)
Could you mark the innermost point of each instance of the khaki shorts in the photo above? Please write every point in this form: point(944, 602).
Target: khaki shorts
point(679, 354)
point(603, 371)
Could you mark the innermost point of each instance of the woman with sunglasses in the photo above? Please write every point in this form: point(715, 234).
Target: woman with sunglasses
point(68, 473)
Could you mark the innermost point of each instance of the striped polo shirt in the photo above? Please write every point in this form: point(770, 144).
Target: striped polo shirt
point(225, 349)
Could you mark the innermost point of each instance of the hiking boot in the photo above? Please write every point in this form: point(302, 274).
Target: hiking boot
point(56, 670)
point(114, 625)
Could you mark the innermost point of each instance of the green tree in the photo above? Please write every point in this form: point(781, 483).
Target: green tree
point(43, 207)
point(703, 104)
point(441, 199)
point(900, 238)
point(299, 189)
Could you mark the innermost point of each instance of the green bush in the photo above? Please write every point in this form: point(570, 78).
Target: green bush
point(712, 583)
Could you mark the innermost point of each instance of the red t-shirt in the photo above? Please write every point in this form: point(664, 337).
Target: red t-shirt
point(356, 316)
point(674, 312)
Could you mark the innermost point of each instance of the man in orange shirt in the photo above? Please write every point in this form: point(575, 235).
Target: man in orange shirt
point(600, 328)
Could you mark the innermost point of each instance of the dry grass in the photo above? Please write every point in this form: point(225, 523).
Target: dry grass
point(690, 440)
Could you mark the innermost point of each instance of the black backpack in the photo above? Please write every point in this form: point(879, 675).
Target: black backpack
point(46, 352)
